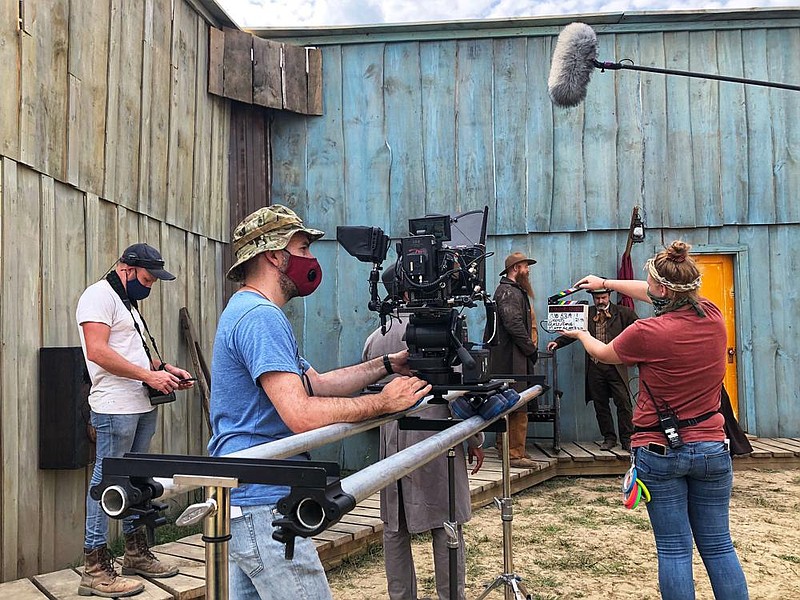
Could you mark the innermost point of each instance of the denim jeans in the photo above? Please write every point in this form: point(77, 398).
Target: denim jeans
point(116, 435)
point(258, 569)
point(691, 491)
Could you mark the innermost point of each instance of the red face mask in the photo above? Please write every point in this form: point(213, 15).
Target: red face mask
point(305, 273)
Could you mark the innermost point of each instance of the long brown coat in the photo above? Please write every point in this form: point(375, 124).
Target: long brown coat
point(515, 352)
point(425, 493)
point(621, 318)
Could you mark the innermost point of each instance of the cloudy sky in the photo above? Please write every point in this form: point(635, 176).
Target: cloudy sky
point(313, 13)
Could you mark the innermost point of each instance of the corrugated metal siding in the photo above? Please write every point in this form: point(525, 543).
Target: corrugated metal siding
point(416, 126)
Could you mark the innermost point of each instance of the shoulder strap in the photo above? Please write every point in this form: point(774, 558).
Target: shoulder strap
point(116, 285)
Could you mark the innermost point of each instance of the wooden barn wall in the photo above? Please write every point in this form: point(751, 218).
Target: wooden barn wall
point(448, 125)
point(107, 137)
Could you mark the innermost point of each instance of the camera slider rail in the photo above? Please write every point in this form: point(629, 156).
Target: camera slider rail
point(314, 502)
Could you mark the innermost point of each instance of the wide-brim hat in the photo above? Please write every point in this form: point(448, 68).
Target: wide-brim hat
point(146, 257)
point(516, 258)
point(268, 228)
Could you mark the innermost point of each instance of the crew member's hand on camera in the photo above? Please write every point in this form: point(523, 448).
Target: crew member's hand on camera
point(403, 392)
point(163, 381)
point(399, 362)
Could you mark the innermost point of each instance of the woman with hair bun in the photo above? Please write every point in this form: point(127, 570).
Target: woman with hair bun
point(678, 442)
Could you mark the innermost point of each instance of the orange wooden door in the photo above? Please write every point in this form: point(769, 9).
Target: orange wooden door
point(717, 286)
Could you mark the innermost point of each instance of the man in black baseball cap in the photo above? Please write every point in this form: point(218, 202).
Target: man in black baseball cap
point(143, 255)
point(123, 411)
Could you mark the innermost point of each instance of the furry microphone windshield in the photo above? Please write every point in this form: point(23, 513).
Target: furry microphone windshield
point(575, 57)
point(573, 62)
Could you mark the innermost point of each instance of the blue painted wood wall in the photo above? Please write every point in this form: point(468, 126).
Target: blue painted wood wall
point(421, 121)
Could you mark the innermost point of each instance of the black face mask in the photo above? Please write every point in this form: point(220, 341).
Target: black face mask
point(135, 289)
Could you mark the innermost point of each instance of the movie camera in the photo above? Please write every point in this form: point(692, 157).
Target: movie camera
point(440, 268)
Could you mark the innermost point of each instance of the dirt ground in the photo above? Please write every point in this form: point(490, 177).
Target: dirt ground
point(572, 538)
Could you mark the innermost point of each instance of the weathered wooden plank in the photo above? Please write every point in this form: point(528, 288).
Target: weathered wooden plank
point(792, 443)
point(202, 160)
point(474, 126)
point(679, 137)
point(404, 106)
point(655, 186)
point(156, 90)
point(782, 46)
point(438, 71)
point(539, 136)
point(88, 70)
point(13, 213)
point(315, 82)
point(704, 121)
point(181, 550)
point(182, 116)
point(216, 56)
point(600, 150)
point(776, 448)
point(760, 450)
point(21, 589)
point(630, 142)
point(220, 199)
point(593, 448)
point(295, 82)
point(9, 75)
point(43, 87)
point(176, 426)
point(326, 154)
point(125, 105)
point(188, 567)
point(237, 66)
point(733, 174)
point(568, 212)
point(510, 137)
point(267, 75)
point(761, 153)
point(577, 453)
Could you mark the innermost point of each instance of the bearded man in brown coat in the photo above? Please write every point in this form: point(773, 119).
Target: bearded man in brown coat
point(516, 350)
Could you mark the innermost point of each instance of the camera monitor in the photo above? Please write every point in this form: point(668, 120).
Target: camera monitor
point(436, 225)
point(468, 229)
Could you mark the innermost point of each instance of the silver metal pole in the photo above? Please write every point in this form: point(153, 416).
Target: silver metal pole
point(367, 481)
point(303, 442)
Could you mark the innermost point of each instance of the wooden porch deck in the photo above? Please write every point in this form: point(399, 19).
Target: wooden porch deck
point(363, 525)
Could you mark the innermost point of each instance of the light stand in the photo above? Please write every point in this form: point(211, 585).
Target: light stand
point(513, 587)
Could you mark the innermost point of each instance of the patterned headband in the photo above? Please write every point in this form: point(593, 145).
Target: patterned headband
point(650, 267)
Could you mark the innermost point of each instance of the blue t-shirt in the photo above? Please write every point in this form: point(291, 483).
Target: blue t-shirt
point(253, 337)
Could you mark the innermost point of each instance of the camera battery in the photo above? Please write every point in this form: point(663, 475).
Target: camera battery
point(567, 317)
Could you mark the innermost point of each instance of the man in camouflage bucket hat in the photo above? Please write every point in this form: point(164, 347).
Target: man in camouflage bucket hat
point(268, 228)
point(263, 390)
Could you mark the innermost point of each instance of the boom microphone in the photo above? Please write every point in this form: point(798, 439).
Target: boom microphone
point(575, 57)
point(573, 62)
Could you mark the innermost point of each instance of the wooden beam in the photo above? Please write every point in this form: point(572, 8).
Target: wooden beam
point(238, 66)
point(267, 75)
point(314, 56)
point(216, 59)
point(295, 83)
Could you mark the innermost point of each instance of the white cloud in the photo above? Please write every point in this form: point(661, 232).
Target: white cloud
point(315, 13)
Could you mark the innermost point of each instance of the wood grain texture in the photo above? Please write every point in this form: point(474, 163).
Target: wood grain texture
point(267, 74)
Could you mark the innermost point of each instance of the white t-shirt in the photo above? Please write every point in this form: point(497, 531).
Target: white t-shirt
point(110, 393)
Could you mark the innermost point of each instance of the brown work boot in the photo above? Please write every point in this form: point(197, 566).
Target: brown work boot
point(100, 579)
point(140, 561)
point(608, 444)
point(523, 463)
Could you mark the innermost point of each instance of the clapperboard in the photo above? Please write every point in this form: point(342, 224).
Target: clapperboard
point(566, 315)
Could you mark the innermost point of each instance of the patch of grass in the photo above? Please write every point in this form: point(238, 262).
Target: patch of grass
point(789, 558)
point(355, 564)
point(602, 501)
point(639, 521)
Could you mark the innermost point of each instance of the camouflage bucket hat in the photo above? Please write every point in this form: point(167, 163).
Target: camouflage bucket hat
point(268, 228)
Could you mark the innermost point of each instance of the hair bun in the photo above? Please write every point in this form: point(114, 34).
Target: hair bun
point(678, 251)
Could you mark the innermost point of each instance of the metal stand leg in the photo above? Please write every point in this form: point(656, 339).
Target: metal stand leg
point(513, 587)
point(451, 527)
point(216, 515)
point(216, 533)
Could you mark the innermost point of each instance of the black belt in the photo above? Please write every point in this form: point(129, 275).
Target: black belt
point(681, 424)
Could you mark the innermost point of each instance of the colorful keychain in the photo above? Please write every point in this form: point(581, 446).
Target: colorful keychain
point(633, 490)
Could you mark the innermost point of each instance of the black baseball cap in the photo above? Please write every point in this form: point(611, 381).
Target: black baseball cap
point(147, 257)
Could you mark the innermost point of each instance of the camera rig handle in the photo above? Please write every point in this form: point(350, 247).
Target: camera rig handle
point(315, 500)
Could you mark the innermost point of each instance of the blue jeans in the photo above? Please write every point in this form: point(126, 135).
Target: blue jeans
point(116, 435)
point(258, 569)
point(691, 492)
